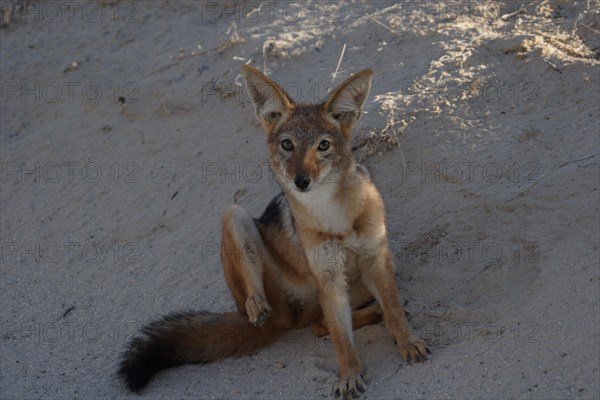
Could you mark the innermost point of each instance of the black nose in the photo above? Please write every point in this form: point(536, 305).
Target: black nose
point(302, 182)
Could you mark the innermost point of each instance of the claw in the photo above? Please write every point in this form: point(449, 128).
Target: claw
point(349, 388)
point(414, 350)
point(361, 385)
point(258, 309)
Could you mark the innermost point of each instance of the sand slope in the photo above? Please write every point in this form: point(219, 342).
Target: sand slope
point(125, 134)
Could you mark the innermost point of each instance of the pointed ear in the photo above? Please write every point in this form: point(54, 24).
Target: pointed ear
point(273, 104)
point(345, 104)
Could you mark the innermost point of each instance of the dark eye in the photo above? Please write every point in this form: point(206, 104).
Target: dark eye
point(287, 144)
point(324, 145)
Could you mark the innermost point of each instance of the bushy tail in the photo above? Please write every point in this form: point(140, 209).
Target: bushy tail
point(190, 337)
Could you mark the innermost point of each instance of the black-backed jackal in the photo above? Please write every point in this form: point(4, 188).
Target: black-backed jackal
point(317, 256)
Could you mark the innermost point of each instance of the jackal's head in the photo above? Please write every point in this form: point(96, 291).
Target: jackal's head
point(309, 144)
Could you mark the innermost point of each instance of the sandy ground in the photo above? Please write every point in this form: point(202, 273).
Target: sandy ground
point(125, 134)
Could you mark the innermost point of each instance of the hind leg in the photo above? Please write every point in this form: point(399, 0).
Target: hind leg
point(368, 315)
point(243, 255)
point(365, 310)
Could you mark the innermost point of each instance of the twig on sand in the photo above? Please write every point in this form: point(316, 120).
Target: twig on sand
point(380, 23)
point(264, 54)
point(506, 17)
point(391, 132)
point(232, 40)
point(555, 170)
point(338, 67)
point(378, 13)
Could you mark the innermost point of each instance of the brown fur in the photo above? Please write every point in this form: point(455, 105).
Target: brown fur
point(318, 256)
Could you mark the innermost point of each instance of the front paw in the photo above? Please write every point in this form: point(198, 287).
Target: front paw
point(413, 349)
point(258, 309)
point(351, 387)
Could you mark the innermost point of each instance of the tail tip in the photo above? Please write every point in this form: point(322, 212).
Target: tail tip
point(140, 362)
point(135, 376)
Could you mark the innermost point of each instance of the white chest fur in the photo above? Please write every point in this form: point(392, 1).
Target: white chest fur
point(325, 209)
